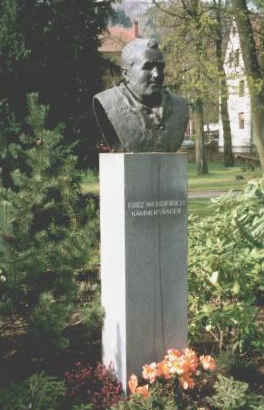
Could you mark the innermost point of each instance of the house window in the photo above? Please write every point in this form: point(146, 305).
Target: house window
point(241, 120)
point(241, 88)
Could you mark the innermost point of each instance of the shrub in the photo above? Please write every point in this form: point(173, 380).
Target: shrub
point(231, 394)
point(39, 392)
point(97, 386)
point(226, 271)
point(186, 381)
point(179, 382)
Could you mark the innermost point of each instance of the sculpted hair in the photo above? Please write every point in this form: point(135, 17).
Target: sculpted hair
point(129, 50)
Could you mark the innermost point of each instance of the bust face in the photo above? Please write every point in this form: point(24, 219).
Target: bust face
point(145, 76)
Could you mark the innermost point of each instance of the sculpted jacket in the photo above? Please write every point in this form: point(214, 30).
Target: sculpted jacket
point(129, 126)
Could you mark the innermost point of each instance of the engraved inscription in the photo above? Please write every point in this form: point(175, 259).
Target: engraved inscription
point(155, 208)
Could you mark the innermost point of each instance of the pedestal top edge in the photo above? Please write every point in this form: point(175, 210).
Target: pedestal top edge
point(143, 153)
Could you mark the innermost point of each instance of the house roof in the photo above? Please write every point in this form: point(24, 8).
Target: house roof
point(116, 37)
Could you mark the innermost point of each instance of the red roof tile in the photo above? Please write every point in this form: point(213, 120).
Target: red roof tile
point(115, 38)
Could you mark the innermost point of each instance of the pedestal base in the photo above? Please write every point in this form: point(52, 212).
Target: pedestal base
point(143, 216)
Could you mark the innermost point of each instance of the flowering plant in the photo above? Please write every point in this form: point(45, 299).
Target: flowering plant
point(182, 377)
point(97, 386)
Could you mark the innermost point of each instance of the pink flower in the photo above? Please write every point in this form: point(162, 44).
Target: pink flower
point(163, 369)
point(150, 372)
point(135, 389)
point(187, 382)
point(208, 362)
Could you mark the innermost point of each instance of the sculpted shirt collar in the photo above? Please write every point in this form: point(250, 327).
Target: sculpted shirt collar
point(149, 116)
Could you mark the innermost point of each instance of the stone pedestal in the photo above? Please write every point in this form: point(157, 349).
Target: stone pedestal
point(143, 214)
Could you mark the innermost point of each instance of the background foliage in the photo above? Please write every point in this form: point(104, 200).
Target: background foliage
point(50, 47)
point(226, 271)
point(48, 241)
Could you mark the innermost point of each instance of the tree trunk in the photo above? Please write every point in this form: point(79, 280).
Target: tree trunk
point(253, 73)
point(228, 154)
point(201, 163)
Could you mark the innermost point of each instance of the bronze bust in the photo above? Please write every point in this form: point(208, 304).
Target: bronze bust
point(140, 115)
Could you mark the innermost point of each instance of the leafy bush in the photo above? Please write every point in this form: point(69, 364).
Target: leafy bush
point(226, 271)
point(82, 407)
point(97, 387)
point(179, 382)
point(231, 394)
point(39, 392)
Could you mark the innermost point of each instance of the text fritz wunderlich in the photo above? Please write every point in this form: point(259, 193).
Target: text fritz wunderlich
point(155, 208)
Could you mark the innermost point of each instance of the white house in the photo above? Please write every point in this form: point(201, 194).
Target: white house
point(238, 96)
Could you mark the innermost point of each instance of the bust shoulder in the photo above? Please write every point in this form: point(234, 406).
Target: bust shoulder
point(109, 97)
point(178, 100)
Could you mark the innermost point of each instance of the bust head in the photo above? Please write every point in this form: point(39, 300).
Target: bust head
point(127, 114)
point(143, 70)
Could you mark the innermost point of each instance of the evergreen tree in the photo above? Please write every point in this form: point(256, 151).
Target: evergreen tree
point(47, 236)
point(51, 47)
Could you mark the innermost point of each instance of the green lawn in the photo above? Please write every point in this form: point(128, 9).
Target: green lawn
point(90, 182)
point(199, 206)
point(219, 178)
